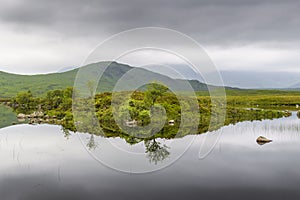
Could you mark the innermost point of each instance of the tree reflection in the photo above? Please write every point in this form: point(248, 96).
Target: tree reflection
point(92, 145)
point(155, 151)
point(66, 132)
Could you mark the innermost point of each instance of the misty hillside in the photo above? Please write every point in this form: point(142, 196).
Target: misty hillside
point(260, 80)
point(297, 85)
point(249, 79)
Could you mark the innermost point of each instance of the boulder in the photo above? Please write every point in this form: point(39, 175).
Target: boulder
point(21, 116)
point(37, 114)
point(21, 119)
point(171, 122)
point(262, 140)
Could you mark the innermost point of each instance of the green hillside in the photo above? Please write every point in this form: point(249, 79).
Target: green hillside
point(11, 84)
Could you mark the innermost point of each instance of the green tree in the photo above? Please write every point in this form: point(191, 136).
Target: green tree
point(144, 117)
point(92, 87)
point(25, 103)
point(153, 92)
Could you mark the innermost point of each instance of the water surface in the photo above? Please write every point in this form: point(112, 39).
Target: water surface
point(41, 162)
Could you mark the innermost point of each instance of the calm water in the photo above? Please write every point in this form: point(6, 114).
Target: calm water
point(41, 162)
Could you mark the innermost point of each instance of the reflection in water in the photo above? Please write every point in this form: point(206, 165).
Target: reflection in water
point(262, 143)
point(7, 117)
point(66, 132)
point(155, 151)
point(38, 162)
point(91, 144)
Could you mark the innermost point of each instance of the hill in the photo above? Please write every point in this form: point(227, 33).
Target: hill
point(11, 84)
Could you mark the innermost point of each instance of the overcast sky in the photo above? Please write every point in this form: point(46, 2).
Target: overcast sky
point(40, 36)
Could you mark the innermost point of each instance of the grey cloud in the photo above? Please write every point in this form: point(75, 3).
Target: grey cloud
point(213, 22)
point(240, 34)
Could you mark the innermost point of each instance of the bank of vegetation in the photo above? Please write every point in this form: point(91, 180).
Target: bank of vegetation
point(139, 110)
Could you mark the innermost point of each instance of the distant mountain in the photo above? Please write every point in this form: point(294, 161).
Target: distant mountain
point(260, 80)
point(241, 79)
point(11, 84)
point(297, 85)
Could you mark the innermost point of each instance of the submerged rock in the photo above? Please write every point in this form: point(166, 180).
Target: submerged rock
point(262, 140)
point(298, 114)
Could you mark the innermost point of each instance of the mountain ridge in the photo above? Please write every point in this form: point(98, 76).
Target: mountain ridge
point(39, 84)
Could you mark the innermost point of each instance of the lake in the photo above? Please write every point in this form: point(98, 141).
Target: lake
point(43, 162)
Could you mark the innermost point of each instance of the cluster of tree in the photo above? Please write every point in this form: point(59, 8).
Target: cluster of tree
point(141, 107)
point(25, 103)
point(56, 104)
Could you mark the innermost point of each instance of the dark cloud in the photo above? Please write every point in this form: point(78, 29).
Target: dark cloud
point(239, 34)
point(210, 21)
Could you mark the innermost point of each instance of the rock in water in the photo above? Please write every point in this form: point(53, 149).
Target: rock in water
point(262, 140)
